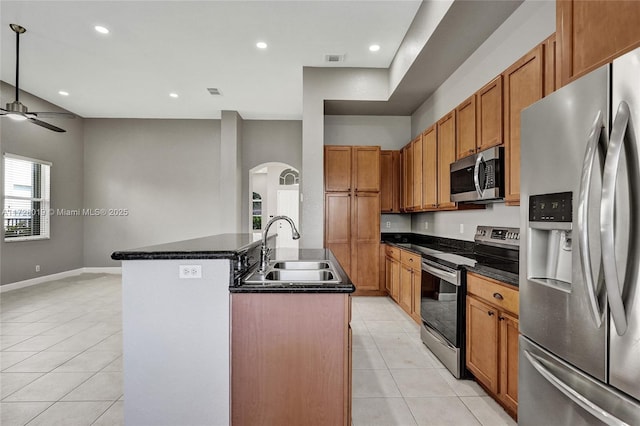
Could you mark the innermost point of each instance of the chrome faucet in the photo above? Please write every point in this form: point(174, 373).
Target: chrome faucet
point(264, 251)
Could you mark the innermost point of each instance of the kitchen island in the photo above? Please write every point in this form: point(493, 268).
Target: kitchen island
point(187, 317)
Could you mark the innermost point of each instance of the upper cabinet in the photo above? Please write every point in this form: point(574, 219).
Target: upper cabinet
point(466, 128)
point(337, 168)
point(352, 167)
point(417, 173)
point(591, 33)
point(551, 68)
point(430, 168)
point(366, 168)
point(390, 181)
point(446, 156)
point(523, 85)
point(489, 113)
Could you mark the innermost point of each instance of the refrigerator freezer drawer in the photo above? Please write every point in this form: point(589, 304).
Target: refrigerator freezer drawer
point(551, 392)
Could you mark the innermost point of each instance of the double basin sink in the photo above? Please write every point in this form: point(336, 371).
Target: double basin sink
point(295, 272)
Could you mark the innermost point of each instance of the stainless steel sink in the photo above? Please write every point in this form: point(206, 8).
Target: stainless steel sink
point(294, 272)
point(300, 275)
point(301, 264)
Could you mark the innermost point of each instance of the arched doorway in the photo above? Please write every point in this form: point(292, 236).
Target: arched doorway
point(274, 189)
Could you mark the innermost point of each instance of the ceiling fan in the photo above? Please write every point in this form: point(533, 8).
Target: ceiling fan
point(16, 109)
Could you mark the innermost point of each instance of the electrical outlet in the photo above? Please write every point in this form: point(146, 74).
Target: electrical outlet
point(462, 228)
point(388, 224)
point(426, 225)
point(37, 268)
point(190, 271)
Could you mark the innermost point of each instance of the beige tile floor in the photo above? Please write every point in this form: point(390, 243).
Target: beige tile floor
point(398, 381)
point(61, 362)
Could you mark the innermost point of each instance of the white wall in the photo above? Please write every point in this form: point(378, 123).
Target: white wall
point(395, 223)
point(529, 25)
point(165, 172)
point(389, 132)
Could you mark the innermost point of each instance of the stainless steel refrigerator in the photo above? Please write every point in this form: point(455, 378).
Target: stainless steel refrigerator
point(579, 360)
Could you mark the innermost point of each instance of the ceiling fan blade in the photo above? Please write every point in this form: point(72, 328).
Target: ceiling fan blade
point(46, 125)
point(43, 114)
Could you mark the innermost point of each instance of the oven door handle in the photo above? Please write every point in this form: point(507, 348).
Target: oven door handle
point(450, 277)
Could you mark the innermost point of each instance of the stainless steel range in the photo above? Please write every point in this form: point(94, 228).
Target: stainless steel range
point(443, 289)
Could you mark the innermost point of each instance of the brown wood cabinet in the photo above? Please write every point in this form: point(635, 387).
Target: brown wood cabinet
point(551, 68)
point(407, 178)
point(276, 340)
point(466, 128)
point(430, 168)
point(591, 33)
point(409, 283)
point(416, 153)
point(348, 168)
point(392, 265)
point(352, 218)
point(446, 156)
point(489, 115)
point(523, 85)
point(492, 338)
point(390, 181)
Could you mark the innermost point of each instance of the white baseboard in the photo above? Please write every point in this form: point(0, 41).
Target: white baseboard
point(60, 275)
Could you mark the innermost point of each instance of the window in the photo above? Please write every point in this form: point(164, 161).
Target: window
point(26, 198)
point(289, 177)
point(256, 212)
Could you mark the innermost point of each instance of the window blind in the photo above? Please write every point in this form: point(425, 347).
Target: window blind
point(27, 198)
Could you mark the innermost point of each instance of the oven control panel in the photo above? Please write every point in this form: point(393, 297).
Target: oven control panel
point(500, 236)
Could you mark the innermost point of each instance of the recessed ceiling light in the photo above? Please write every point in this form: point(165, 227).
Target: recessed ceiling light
point(63, 93)
point(101, 29)
point(261, 45)
point(374, 47)
point(173, 95)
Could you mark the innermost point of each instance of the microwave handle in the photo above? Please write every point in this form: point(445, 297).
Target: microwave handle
point(476, 174)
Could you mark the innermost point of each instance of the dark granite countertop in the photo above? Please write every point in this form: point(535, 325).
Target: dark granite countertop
point(223, 246)
point(456, 254)
point(345, 286)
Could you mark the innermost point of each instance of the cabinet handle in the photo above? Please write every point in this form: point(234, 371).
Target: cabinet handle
point(491, 313)
point(498, 296)
point(501, 318)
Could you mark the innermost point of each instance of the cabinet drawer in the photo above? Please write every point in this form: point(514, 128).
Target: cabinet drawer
point(410, 259)
point(493, 292)
point(392, 252)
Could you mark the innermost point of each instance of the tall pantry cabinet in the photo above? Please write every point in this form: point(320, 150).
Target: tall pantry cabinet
point(352, 212)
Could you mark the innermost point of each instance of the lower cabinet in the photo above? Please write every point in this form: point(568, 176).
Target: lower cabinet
point(403, 279)
point(492, 338)
point(290, 359)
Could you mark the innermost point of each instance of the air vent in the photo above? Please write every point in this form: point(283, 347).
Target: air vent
point(334, 58)
point(214, 91)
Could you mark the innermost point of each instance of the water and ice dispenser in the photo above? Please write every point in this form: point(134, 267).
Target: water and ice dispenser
point(550, 242)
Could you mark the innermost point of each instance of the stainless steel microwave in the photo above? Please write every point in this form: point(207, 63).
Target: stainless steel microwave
point(478, 177)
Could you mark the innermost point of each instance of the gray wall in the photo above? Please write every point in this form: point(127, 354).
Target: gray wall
point(63, 251)
point(265, 141)
point(318, 84)
point(165, 172)
point(390, 132)
point(530, 24)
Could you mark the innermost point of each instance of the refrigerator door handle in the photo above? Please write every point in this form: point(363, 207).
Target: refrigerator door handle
point(607, 217)
point(593, 146)
point(476, 174)
point(592, 408)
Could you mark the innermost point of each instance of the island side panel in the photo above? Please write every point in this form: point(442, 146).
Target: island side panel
point(175, 343)
point(289, 359)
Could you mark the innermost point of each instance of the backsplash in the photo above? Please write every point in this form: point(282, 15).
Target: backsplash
point(395, 222)
point(461, 225)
